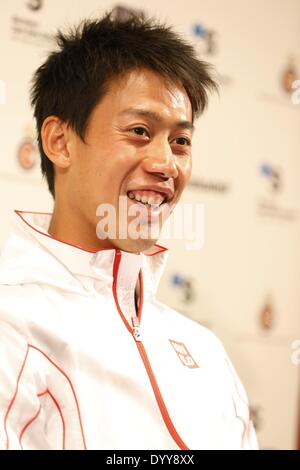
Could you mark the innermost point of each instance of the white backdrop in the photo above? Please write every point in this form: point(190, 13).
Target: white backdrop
point(250, 261)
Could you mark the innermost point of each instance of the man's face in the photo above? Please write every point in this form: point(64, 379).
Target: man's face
point(138, 138)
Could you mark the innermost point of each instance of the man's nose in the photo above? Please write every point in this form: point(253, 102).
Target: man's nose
point(160, 160)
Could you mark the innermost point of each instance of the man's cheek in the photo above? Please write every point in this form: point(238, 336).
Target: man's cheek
point(186, 169)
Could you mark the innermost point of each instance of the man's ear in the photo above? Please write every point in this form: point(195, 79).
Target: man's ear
point(54, 134)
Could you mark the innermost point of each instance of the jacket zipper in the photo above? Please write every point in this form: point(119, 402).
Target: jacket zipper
point(135, 332)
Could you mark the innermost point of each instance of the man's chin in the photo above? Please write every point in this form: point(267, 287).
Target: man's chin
point(137, 246)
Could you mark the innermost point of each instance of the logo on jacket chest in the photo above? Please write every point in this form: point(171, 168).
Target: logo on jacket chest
point(183, 354)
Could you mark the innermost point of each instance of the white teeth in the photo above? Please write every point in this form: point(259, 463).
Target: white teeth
point(150, 200)
point(153, 201)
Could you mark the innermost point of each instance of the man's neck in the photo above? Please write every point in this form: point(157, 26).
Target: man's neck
point(75, 230)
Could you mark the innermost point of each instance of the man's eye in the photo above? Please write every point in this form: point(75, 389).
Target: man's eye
point(183, 141)
point(139, 131)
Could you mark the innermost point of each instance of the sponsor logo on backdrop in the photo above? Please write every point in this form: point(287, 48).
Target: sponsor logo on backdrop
point(266, 316)
point(288, 84)
point(271, 202)
point(35, 5)
point(185, 286)
point(209, 185)
point(206, 42)
point(27, 152)
point(27, 28)
point(187, 296)
point(124, 13)
point(273, 177)
point(289, 75)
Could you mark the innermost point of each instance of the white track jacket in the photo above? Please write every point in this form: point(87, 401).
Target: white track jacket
point(79, 369)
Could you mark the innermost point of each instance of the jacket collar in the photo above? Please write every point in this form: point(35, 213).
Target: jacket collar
point(99, 265)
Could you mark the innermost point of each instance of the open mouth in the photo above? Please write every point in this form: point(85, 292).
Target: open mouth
point(151, 200)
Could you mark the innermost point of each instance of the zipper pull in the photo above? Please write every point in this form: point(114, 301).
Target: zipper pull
point(136, 328)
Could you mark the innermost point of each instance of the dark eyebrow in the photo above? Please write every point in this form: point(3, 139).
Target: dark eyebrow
point(157, 117)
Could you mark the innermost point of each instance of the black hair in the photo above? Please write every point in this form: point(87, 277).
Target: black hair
point(74, 78)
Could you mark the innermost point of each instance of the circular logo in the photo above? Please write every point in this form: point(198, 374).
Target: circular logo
point(27, 154)
point(267, 316)
point(289, 75)
point(288, 79)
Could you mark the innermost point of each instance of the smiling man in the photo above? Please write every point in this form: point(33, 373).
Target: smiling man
point(90, 359)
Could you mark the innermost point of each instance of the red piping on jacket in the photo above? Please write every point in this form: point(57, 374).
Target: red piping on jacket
point(241, 419)
point(60, 413)
point(72, 388)
point(157, 393)
point(246, 425)
point(14, 397)
point(17, 387)
point(27, 426)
